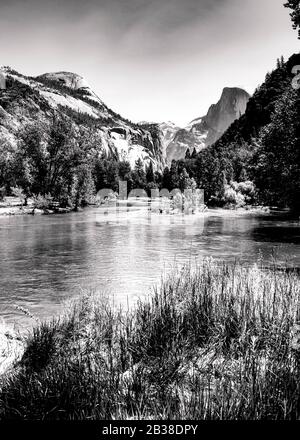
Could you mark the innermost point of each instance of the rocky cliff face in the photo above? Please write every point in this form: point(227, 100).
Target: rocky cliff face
point(27, 100)
point(168, 132)
point(205, 131)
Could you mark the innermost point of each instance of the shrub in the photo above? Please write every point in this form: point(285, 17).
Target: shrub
point(42, 202)
point(239, 194)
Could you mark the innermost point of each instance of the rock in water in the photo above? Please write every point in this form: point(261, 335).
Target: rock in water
point(11, 348)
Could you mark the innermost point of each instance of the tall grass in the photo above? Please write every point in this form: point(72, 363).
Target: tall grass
point(215, 342)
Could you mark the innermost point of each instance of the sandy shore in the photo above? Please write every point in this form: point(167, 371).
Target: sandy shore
point(13, 206)
point(14, 210)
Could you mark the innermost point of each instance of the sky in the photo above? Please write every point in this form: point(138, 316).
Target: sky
point(149, 60)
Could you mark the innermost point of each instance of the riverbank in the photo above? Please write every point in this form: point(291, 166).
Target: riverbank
point(217, 342)
point(32, 211)
point(13, 206)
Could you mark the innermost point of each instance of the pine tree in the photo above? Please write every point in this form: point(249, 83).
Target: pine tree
point(124, 170)
point(277, 161)
point(188, 154)
point(295, 13)
point(194, 154)
point(183, 180)
point(150, 173)
point(174, 175)
point(166, 179)
point(139, 175)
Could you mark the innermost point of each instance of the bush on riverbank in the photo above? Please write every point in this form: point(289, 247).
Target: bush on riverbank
point(219, 342)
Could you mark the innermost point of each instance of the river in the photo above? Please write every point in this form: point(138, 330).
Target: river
point(45, 260)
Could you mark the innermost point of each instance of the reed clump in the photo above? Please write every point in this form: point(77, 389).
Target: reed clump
point(215, 342)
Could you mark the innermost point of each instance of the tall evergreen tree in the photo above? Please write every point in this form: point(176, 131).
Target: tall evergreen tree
point(150, 173)
point(188, 154)
point(194, 154)
point(139, 175)
point(277, 168)
point(166, 179)
point(174, 175)
point(294, 5)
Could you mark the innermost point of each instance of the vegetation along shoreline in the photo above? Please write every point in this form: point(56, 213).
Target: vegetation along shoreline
point(213, 342)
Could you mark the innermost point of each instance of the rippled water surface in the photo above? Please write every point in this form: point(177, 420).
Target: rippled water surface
point(45, 260)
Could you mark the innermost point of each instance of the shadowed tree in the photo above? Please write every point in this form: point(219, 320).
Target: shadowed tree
point(55, 161)
point(194, 154)
point(188, 154)
point(278, 158)
point(150, 173)
point(166, 179)
point(294, 5)
point(139, 175)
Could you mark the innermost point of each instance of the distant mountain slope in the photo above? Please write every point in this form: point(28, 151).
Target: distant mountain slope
point(169, 130)
point(27, 100)
point(203, 132)
point(261, 105)
point(262, 146)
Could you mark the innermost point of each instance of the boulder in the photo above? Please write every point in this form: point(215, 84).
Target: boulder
point(11, 349)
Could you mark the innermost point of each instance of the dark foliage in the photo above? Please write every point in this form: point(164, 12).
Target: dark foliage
point(294, 5)
point(262, 146)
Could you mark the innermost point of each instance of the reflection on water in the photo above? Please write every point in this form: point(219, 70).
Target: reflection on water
point(45, 260)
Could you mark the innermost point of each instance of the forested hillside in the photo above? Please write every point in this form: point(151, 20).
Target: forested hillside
point(257, 160)
point(259, 155)
point(59, 142)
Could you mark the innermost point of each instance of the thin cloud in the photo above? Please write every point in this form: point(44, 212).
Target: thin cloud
point(149, 59)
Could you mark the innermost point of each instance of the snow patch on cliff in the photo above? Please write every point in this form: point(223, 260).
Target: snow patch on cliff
point(129, 152)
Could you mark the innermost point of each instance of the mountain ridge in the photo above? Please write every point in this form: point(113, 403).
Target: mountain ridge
point(70, 93)
point(31, 99)
point(260, 150)
point(204, 131)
